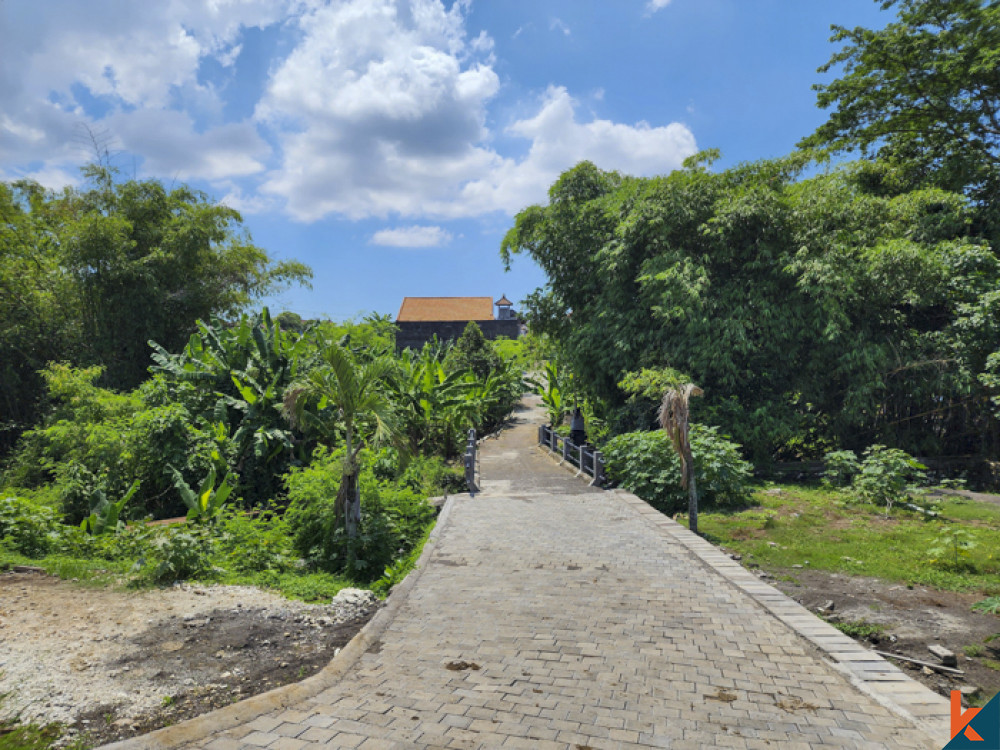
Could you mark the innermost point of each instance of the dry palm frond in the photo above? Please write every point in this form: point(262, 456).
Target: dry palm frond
point(673, 416)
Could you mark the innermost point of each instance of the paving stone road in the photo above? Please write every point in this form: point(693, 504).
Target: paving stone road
point(547, 614)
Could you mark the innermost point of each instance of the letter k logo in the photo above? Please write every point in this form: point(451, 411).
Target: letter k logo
point(960, 720)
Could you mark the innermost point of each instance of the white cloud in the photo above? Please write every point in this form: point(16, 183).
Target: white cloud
point(380, 108)
point(654, 5)
point(558, 141)
point(557, 24)
point(139, 62)
point(415, 236)
point(382, 112)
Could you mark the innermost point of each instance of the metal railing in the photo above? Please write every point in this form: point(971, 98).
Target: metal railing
point(586, 459)
point(470, 460)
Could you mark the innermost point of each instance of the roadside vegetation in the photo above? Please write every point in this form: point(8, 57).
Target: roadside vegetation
point(296, 460)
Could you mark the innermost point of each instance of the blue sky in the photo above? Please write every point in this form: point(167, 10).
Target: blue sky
point(389, 143)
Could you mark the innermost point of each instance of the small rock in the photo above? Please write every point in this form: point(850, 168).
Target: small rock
point(737, 558)
point(827, 606)
point(927, 671)
point(798, 567)
point(772, 544)
point(774, 491)
point(968, 691)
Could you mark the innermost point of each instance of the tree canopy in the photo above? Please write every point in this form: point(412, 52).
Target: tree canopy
point(814, 312)
point(923, 92)
point(89, 276)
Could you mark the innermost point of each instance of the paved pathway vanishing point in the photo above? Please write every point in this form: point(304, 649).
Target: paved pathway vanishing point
point(547, 614)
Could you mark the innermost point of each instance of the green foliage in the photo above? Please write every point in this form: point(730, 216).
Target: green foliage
point(104, 515)
point(232, 379)
point(430, 475)
point(887, 476)
point(812, 311)
point(208, 502)
point(859, 629)
point(473, 352)
point(179, 554)
point(922, 92)
point(840, 468)
point(248, 543)
point(90, 275)
point(646, 464)
point(951, 547)
point(392, 522)
point(26, 528)
point(556, 390)
point(990, 605)
point(98, 442)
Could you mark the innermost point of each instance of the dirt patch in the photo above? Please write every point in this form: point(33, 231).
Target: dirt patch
point(111, 664)
point(911, 618)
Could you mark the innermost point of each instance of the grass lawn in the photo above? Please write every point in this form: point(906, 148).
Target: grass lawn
point(820, 528)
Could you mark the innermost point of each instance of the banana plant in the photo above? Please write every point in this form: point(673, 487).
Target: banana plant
point(209, 501)
point(105, 514)
point(555, 389)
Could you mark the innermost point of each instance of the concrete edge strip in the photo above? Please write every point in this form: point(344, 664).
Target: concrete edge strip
point(245, 711)
point(876, 677)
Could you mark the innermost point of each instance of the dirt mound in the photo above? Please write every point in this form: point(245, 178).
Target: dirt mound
point(110, 664)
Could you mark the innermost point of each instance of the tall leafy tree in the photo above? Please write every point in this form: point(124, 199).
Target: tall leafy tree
point(835, 309)
point(922, 92)
point(89, 276)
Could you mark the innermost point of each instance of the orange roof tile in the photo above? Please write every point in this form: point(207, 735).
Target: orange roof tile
point(445, 308)
point(504, 301)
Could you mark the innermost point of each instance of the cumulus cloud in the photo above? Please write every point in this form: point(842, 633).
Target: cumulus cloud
point(375, 108)
point(414, 236)
point(381, 110)
point(113, 65)
point(559, 140)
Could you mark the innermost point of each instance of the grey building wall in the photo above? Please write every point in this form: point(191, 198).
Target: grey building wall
point(413, 334)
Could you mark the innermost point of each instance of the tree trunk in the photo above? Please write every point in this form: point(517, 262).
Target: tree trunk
point(353, 507)
point(692, 497)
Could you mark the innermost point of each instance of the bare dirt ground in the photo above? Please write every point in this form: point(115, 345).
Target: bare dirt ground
point(110, 664)
point(911, 619)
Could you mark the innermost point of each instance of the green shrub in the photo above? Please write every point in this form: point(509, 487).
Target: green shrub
point(645, 463)
point(180, 553)
point(26, 528)
point(840, 468)
point(430, 475)
point(250, 544)
point(393, 518)
point(887, 476)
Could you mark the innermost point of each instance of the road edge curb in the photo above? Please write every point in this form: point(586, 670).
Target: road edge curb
point(229, 717)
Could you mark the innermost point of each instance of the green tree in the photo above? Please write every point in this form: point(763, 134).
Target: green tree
point(922, 92)
point(344, 397)
point(822, 312)
point(89, 276)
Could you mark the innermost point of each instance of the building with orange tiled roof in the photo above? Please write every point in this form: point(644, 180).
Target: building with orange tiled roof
point(422, 318)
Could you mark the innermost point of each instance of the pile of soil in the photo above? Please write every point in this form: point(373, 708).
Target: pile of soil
point(109, 664)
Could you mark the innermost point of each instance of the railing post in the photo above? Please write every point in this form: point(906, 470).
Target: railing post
point(598, 470)
point(470, 462)
point(565, 450)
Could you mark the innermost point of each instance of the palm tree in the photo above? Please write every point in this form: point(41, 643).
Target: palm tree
point(674, 419)
point(346, 394)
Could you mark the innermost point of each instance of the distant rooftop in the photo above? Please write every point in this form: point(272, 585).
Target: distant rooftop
point(435, 309)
